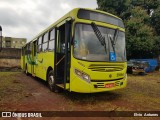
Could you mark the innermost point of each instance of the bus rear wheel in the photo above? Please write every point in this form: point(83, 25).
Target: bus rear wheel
point(51, 81)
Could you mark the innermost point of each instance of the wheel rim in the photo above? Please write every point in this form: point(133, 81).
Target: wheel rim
point(51, 80)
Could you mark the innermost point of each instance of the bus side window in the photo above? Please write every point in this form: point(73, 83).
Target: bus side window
point(22, 51)
point(51, 40)
point(39, 48)
point(26, 51)
point(45, 42)
point(28, 48)
point(35, 47)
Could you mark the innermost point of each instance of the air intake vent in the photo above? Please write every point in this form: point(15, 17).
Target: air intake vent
point(102, 84)
point(106, 67)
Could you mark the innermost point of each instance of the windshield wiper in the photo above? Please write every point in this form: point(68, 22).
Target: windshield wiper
point(99, 35)
point(113, 41)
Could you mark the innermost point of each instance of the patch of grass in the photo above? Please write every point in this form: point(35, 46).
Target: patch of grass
point(143, 91)
point(10, 88)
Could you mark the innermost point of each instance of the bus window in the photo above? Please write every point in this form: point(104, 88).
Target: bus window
point(52, 34)
point(29, 48)
point(45, 38)
point(45, 42)
point(25, 50)
point(39, 44)
point(51, 40)
point(61, 38)
point(35, 47)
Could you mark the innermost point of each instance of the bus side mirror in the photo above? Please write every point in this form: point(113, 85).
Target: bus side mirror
point(0, 38)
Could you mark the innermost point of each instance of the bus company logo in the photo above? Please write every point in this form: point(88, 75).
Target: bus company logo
point(110, 76)
point(6, 114)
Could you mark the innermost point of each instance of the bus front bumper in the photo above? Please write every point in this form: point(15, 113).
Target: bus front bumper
point(80, 86)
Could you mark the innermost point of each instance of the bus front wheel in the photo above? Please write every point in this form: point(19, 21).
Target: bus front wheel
point(51, 81)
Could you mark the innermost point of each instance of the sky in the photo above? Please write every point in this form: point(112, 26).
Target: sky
point(27, 18)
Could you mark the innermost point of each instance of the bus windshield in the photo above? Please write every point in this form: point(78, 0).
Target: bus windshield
point(88, 47)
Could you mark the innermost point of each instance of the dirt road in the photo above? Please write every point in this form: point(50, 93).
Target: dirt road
point(19, 92)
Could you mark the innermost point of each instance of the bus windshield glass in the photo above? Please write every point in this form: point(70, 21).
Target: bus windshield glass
point(88, 47)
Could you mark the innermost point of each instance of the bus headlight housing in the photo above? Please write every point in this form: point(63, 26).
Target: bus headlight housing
point(82, 75)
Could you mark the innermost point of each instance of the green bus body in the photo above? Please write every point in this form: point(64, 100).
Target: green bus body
point(70, 53)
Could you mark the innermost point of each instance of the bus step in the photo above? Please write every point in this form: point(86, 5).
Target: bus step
point(60, 85)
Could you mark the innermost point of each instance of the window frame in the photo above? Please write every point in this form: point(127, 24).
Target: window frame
point(39, 49)
point(44, 42)
point(51, 40)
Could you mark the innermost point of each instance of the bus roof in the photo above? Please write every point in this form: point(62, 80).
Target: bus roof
point(73, 14)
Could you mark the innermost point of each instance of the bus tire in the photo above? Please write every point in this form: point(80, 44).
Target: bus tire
point(51, 82)
point(26, 70)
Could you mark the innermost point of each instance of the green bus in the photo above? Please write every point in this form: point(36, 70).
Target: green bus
point(84, 51)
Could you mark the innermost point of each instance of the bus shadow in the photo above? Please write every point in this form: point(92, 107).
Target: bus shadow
point(40, 81)
point(82, 97)
point(92, 97)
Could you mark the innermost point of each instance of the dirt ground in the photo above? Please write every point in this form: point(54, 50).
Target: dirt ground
point(19, 92)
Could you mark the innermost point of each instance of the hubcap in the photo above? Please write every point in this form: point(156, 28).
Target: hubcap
point(51, 80)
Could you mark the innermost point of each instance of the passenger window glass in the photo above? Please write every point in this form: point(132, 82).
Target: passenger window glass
point(51, 45)
point(45, 38)
point(39, 48)
point(40, 41)
point(44, 47)
point(52, 34)
point(51, 40)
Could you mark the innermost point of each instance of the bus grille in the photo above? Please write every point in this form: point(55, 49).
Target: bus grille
point(106, 67)
point(102, 85)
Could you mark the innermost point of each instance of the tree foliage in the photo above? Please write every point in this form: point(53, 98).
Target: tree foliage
point(155, 20)
point(142, 23)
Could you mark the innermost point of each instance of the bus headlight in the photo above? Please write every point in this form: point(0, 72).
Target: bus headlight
point(82, 75)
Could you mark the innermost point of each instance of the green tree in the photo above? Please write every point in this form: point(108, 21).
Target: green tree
point(148, 5)
point(117, 7)
point(139, 35)
point(155, 20)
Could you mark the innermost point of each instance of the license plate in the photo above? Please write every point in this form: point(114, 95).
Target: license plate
point(110, 85)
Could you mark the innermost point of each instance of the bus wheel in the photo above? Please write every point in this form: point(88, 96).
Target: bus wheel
point(26, 70)
point(51, 81)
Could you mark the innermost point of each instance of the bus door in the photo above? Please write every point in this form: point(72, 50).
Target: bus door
point(39, 58)
point(23, 58)
point(34, 58)
point(62, 54)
